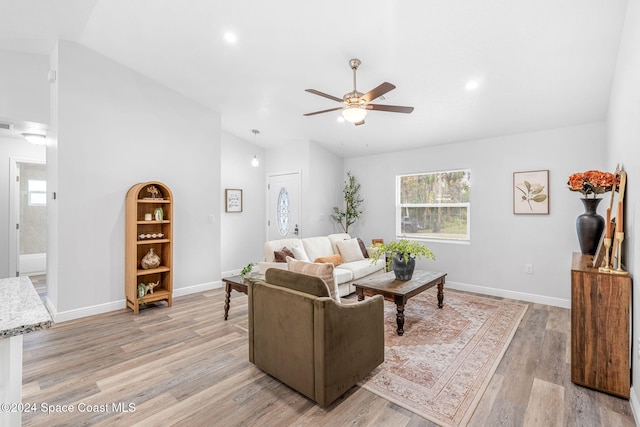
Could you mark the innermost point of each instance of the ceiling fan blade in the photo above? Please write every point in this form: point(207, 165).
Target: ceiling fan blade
point(323, 111)
point(361, 122)
point(316, 92)
point(377, 92)
point(391, 108)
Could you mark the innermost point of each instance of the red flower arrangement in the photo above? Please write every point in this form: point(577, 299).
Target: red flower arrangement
point(592, 182)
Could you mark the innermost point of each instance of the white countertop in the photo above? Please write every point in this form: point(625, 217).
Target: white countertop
point(21, 310)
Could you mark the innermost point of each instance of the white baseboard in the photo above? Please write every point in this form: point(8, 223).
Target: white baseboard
point(540, 299)
point(197, 288)
point(635, 406)
point(65, 316)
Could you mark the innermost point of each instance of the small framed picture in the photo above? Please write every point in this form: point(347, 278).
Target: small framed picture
point(233, 199)
point(531, 193)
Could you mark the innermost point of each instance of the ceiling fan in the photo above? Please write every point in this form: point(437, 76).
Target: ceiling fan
point(357, 103)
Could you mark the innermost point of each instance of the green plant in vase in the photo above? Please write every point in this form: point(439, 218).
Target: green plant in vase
point(402, 256)
point(247, 269)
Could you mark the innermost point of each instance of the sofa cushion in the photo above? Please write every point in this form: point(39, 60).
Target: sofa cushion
point(350, 250)
point(363, 248)
point(335, 238)
point(275, 245)
point(363, 267)
point(342, 275)
point(317, 247)
point(299, 253)
point(335, 259)
point(324, 271)
point(282, 254)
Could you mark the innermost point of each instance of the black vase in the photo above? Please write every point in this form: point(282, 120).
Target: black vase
point(589, 226)
point(403, 270)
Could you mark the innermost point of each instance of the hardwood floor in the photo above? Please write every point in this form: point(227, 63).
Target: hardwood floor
point(185, 365)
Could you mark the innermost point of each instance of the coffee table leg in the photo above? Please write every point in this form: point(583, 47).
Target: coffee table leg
point(440, 294)
point(400, 318)
point(360, 293)
point(227, 300)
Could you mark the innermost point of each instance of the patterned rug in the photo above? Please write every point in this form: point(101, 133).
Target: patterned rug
point(443, 363)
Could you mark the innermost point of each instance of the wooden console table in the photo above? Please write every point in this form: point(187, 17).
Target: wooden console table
point(600, 328)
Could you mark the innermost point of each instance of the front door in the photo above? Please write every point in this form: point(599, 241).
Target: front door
point(283, 216)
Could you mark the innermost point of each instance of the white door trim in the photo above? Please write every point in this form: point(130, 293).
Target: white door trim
point(14, 210)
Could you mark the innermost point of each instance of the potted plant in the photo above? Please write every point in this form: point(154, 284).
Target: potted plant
point(402, 256)
point(352, 202)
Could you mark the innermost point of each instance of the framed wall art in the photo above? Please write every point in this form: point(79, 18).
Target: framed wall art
point(531, 192)
point(233, 198)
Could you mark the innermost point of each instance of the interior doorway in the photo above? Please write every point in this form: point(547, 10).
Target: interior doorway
point(28, 221)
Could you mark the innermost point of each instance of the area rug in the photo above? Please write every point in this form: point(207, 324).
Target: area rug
point(443, 363)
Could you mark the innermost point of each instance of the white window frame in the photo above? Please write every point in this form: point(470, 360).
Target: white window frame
point(400, 207)
point(42, 192)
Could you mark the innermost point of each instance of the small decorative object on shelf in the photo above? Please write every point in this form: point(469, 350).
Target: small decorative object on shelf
point(148, 217)
point(150, 260)
point(158, 214)
point(154, 193)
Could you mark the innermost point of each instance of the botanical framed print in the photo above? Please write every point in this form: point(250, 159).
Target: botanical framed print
point(531, 193)
point(233, 199)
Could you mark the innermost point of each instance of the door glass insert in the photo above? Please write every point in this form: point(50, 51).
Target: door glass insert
point(283, 212)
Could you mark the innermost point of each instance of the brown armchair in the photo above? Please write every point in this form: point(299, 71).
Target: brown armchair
point(305, 339)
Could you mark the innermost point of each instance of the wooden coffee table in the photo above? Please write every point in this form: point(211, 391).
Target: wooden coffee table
point(399, 291)
point(237, 283)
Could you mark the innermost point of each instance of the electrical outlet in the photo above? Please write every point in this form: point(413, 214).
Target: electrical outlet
point(528, 268)
point(212, 218)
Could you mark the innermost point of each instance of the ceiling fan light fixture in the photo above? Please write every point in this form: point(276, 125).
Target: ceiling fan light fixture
point(354, 114)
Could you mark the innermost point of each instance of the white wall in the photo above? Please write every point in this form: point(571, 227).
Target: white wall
point(324, 186)
point(14, 147)
point(624, 148)
point(242, 234)
point(501, 242)
point(24, 87)
point(321, 182)
point(113, 128)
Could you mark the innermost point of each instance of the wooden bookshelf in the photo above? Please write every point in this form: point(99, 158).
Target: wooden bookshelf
point(143, 234)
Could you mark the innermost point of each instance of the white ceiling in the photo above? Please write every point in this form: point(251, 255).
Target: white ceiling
point(540, 64)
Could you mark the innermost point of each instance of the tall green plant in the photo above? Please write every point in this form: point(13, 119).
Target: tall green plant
point(352, 202)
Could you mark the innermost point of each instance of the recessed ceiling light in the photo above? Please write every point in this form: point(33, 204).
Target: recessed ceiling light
point(472, 85)
point(230, 37)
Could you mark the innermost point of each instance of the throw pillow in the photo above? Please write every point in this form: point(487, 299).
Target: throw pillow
point(300, 254)
point(350, 250)
point(282, 254)
point(335, 259)
point(363, 248)
point(323, 271)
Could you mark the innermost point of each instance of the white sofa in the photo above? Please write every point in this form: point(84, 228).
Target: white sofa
point(311, 248)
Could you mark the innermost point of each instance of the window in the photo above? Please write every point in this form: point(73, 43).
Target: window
point(37, 192)
point(434, 205)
